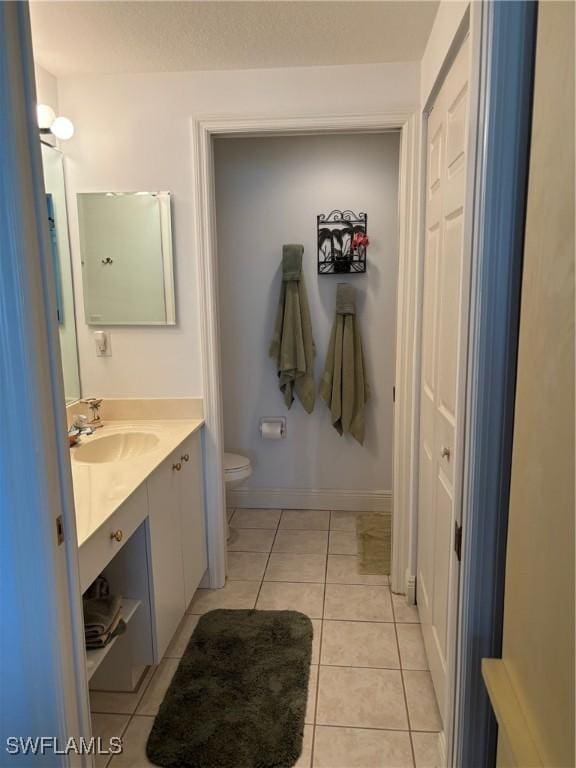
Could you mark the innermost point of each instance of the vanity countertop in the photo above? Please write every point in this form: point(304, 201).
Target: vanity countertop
point(100, 488)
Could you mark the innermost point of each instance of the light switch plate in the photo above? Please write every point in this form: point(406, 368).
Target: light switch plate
point(103, 343)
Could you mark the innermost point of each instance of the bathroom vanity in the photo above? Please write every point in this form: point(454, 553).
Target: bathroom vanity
point(138, 489)
point(138, 480)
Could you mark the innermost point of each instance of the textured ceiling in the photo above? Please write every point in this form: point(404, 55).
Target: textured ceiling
point(165, 36)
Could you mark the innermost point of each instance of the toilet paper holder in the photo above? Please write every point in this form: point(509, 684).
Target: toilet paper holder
point(281, 422)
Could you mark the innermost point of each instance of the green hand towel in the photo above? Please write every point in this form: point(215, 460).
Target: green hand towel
point(343, 386)
point(100, 613)
point(292, 345)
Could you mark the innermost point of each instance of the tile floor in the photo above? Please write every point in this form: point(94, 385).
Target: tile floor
point(371, 703)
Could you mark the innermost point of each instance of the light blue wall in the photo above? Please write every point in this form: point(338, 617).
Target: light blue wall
point(269, 192)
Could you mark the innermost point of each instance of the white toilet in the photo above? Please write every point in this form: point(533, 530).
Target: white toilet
point(237, 468)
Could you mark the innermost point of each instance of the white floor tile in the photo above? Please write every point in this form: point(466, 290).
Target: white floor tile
point(301, 542)
point(182, 636)
point(426, 749)
point(305, 758)
point(343, 521)
point(282, 596)
point(251, 540)
point(105, 727)
point(317, 625)
point(361, 698)
point(344, 569)
point(118, 702)
point(311, 704)
point(357, 603)
point(407, 614)
point(305, 519)
point(359, 644)
point(343, 543)
point(236, 594)
point(283, 566)
point(246, 566)
point(411, 643)
point(134, 745)
point(255, 518)
point(154, 694)
point(422, 707)
point(359, 748)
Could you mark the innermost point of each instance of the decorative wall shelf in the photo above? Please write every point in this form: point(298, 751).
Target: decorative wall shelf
point(342, 242)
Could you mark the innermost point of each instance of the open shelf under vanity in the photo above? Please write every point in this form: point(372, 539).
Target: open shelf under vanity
point(95, 657)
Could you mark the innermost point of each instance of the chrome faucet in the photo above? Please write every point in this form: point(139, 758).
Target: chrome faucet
point(94, 404)
point(80, 426)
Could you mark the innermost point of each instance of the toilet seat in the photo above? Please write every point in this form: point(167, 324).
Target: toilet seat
point(236, 467)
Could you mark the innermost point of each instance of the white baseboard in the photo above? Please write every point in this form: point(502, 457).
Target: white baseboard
point(300, 498)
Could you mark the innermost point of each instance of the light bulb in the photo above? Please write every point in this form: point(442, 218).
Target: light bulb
point(45, 115)
point(62, 128)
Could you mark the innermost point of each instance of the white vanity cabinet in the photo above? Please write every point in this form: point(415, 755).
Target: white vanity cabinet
point(148, 539)
point(177, 537)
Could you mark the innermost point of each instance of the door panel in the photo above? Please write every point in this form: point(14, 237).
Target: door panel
point(456, 130)
point(426, 523)
point(442, 362)
point(449, 311)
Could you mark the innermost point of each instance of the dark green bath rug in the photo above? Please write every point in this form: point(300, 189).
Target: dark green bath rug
point(238, 698)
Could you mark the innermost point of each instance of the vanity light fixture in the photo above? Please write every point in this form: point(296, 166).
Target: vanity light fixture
point(45, 115)
point(61, 127)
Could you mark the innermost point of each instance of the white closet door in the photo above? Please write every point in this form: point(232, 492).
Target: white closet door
point(443, 352)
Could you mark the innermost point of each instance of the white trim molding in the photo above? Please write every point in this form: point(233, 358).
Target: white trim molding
point(213, 439)
point(408, 344)
point(203, 128)
point(410, 581)
point(310, 498)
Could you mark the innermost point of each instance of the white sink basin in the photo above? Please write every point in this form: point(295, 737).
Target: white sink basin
point(117, 447)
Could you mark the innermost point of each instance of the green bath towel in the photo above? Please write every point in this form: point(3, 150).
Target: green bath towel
point(343, 386)
point(292, 345)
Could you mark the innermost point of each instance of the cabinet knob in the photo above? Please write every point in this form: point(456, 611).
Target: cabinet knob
point(445, 452)
point(186, 457)
point(117, 535)
point(177, 466)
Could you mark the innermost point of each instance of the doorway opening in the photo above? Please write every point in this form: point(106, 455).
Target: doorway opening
point(205, 132)
point(270, 192)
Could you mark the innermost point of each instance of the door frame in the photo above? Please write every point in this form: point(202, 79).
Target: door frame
point(506, 64)
point(503, 40)
point(203, 129)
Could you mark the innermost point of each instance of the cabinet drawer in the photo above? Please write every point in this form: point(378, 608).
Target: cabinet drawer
point(98, 551)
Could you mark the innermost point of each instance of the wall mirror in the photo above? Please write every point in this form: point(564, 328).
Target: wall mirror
point(126, 249)
point(53, 166)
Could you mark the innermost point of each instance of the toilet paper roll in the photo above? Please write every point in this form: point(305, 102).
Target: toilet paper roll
point(272, 430)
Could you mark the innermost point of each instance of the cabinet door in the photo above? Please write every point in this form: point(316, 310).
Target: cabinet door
point(166, 551)
point(193, 541)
